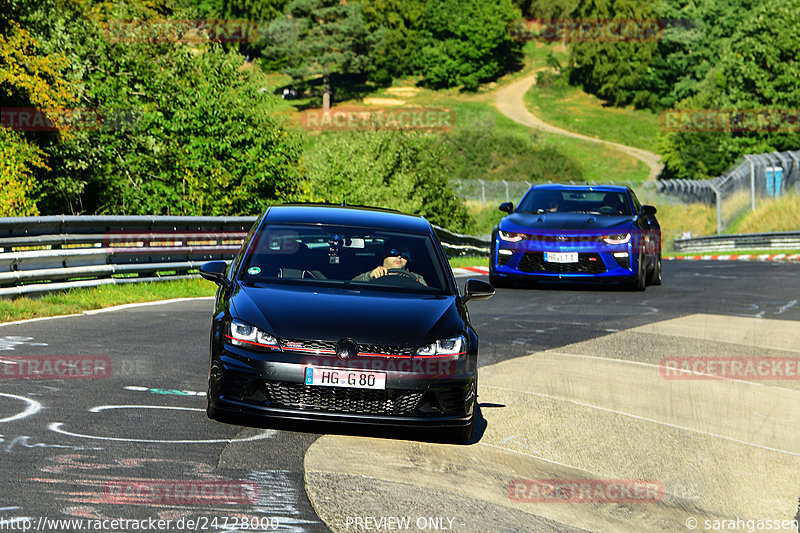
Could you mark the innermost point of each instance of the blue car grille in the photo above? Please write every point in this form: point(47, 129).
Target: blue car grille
point(587, 264)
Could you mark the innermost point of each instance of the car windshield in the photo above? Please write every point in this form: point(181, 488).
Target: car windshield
point(343, 257)
point(576, 201)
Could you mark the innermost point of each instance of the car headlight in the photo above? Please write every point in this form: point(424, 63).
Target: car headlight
point(618, 238)
point(243, 334)
point(440, 348)
point(510, 236)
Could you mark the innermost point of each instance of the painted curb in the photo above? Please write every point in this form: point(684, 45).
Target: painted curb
point(735, 257)
point(469, 271)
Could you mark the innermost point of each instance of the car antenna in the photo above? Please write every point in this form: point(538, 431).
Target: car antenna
point(344, 200)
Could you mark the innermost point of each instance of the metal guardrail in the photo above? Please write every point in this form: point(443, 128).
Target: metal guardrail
point(749, 241)
point(41, 254)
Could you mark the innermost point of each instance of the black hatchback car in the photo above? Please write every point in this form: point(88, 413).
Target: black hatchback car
point(344, 314)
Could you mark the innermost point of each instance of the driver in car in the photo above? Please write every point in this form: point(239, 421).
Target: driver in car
point(395, 262)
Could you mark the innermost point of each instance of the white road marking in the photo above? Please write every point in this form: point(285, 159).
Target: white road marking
point(645, 419)
point(658, 367)
point(33, 408)
point(56, 427)
point(785, 307)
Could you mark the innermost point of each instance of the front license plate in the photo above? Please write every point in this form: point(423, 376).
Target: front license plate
point(337, 377)
point(561, 257)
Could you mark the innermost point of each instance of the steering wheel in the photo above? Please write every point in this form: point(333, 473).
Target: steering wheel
point(401, 271)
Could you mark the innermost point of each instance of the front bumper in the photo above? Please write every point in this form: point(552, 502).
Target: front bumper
point(424, 393)
point(595, 262)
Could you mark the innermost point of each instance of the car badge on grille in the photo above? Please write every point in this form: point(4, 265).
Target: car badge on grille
point(561, 238)
point(292, 344)
point(346, 349)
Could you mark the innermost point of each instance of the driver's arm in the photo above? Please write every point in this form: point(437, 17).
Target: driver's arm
point(363, 277)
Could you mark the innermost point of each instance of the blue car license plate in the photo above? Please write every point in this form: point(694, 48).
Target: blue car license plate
point(561, 257)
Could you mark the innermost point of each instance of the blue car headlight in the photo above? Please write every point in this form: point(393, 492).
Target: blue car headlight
point(510, 236)
point(617, 238)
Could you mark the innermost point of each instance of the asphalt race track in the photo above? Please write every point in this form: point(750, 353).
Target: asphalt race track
point(581, 426)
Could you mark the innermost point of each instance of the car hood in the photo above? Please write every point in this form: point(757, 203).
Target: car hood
point(523, 222)
point(365, 315)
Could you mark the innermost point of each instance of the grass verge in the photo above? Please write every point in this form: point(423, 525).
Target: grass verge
point(86, 299)
point(572, 109)
point(76, 301)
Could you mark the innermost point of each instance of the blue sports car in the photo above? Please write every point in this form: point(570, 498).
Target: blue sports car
point(577, 233)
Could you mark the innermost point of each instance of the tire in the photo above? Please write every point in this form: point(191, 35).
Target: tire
point(639, 282)
point(655, 276)
point(461, 434)
point(499, 283)
point(211, 411)
point(215, 414)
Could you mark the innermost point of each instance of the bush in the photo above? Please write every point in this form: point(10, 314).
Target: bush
point(391, 169)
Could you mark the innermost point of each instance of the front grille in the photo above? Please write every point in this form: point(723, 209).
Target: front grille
point(399, 351)
point(307, 345)
point(329, 347)
point(342, 400)
point(587, 264)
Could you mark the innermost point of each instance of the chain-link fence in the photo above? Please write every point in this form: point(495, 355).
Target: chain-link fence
point(754, 179)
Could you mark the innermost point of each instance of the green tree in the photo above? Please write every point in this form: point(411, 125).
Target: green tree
point(612, 69)
point(696, 32)
point(396, 29)
point(33, 82)
point(397, 170)
point(467, 42)
point(758, 70)
point(254, 16)
point(184, 126)
point(18, 161)
point(319, 38)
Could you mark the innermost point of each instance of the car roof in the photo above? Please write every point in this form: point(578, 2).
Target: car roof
point(358, 216)
point(562, 187)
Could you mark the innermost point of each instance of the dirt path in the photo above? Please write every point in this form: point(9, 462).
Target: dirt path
point(510, 101)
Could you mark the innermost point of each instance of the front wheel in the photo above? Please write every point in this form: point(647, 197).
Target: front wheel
point(461, 434)
point(639, 282)
point(655, 275)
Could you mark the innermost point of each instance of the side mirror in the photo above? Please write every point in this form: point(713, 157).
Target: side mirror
point(215, 271)
point(648, 210)
point(476, 289)
point(508, 207)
